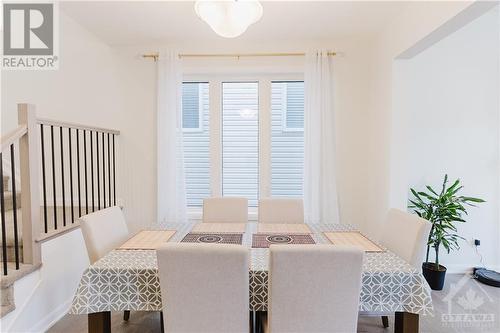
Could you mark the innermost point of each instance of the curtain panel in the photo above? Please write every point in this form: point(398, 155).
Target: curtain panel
point(320, 187)
point(171, 205)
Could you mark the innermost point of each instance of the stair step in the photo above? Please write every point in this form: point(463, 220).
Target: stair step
point(8, 199)
point(11, 254)
point(7, 285)
point(6, 182)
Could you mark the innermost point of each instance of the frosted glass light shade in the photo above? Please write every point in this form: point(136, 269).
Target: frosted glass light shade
point(229, 18)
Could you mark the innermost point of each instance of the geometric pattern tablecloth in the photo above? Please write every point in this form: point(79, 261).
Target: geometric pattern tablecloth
point(128, 279)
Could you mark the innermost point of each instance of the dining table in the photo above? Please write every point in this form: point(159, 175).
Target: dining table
point(128, 280)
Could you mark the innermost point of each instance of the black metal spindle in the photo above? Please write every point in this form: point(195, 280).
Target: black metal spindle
point(109, 174)
point(71, 176)
point(44, 185)
point(92, 168)
point(2, 203)
point(85, 163)
point(103, 172)
point(62, 175)
point(98, 175)
point(14, 203)
point(114, 172)
point(53, 176)
point(78, 171)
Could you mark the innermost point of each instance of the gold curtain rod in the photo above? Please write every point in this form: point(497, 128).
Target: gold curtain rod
point(228, 55)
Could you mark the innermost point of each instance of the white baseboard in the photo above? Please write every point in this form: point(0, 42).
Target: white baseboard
point(463, 269)
point(53, 317)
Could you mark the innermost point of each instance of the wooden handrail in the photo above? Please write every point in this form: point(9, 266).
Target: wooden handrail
point(56, 233)
point(50, 122)
point(12, 136)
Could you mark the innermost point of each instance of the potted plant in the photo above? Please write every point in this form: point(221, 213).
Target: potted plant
point(444, 210)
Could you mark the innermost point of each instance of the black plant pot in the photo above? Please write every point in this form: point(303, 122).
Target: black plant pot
point(435, 277)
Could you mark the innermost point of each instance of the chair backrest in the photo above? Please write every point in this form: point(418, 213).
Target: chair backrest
point(314, 288)
point(204, 287)
point(406, 235)
point(226, 209)
point(103, 231)
point(281, 210)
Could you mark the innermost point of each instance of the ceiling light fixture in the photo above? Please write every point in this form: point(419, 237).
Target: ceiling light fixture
point(229, 19)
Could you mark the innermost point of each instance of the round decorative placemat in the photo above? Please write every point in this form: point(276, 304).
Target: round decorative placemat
point(210, 239)
point(279, 239)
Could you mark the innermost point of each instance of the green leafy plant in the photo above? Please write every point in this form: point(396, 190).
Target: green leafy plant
point(443, 210)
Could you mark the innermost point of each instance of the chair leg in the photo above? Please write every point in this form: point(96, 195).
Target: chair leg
point(385, 321)
point(162, 327)
point(126, 315)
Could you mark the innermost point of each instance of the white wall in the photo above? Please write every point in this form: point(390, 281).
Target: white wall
point(452, 102)
point(422, 25)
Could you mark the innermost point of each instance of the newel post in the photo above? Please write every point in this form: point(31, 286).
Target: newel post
point(30, 192)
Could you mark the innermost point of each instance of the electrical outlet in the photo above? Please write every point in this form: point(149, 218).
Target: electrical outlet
point(477, 242)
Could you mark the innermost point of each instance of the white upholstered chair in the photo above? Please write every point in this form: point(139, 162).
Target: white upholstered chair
point(406, 235)
point(204, 287)
point(281, 210)
point(313, 288)
point(103, 231)
point(225, 209)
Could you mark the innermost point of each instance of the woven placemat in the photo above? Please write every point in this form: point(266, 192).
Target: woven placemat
point(265, 240)
point(220, 238)
point(234, 228)
point(147, 240)
point(353, 238)
point(283, 228)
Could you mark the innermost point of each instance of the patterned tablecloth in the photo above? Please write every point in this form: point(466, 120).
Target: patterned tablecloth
point(128, 279)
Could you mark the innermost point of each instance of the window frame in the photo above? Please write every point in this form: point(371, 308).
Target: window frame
point(200, 110)
point(215, 131)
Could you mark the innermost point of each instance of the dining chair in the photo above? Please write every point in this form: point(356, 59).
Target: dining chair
point(204, 287)
point(406, 235)
point(313, 288)
point(225, 209)
point(281, 210)
point(103, 231)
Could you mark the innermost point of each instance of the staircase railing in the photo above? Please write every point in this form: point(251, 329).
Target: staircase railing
point(66, 170)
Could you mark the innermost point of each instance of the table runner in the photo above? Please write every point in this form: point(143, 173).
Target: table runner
point(266, 240)
point(147, 240)
point(222, 238)
point(352, 238)
point(128, 280)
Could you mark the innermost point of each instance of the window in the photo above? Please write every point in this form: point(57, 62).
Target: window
point(240, 140)
point(195, 123)
point(243, 138)
point(287, 139)
point(192, 107)
point(292, 105)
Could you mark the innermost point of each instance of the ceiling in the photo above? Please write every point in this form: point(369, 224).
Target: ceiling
point(150, 22)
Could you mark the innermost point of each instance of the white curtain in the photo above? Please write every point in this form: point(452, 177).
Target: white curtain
point(170, 172)
point(320, 189)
